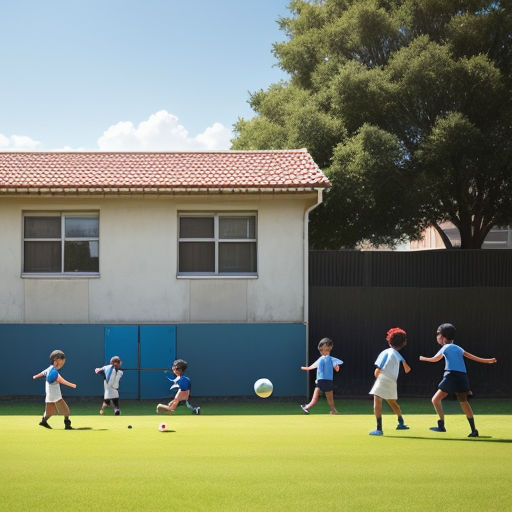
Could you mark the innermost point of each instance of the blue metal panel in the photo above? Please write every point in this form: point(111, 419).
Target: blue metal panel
point(31, 345)
point(123, 341)
point(157, 352)
point(226, 359)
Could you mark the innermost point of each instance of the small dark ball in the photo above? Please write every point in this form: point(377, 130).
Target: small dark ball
point(129, 426)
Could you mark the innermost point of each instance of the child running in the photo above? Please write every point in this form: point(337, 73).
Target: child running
point(324, 365)
point(455, 379)
point(386, 373)
point(111, 377)
point(54, 403)
point(183, 386)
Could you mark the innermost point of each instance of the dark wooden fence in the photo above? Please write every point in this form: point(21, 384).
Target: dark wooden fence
point(355, 297)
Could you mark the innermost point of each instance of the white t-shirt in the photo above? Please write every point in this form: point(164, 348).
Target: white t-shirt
point(389, 361)
point(111, 382)
point(52, 387)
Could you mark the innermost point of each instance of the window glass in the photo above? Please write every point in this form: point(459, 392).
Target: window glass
point(237, 257)
point(42, 227)
point(81, 256)
point(237, 227)
point(197, 257)
point(196, 227)
point(42, 257)
point(82, 227)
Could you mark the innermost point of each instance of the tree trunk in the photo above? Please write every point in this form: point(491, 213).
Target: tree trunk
point(444, 236)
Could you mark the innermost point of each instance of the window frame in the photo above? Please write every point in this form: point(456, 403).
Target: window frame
point(217, 240)
point(62, 214)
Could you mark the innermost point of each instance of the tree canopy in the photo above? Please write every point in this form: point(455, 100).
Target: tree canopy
point(407, 107)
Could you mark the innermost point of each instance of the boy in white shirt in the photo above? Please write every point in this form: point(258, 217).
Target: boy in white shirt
point(112, 375)
point(54, 403)
point(386, 373)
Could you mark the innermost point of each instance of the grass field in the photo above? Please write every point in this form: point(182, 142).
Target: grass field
point(261, 455)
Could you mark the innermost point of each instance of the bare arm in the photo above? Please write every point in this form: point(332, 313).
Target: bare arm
point(38, 375)
point(491, 360)
point(376, 372)
point(434, 359)
point(337, 368)
point(407, 368)
point(60, 380)
point(307, 368)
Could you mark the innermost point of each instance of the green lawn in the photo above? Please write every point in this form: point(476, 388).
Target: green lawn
point(261, 455)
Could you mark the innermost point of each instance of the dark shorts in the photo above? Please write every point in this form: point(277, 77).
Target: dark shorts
point(324, 385)
point(454, 382)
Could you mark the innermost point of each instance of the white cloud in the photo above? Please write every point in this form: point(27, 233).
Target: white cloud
point(162, 132)
point(18, 143)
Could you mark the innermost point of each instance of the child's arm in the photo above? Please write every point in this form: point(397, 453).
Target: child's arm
point(311, 367)
point(60, 380)
point(99, 370)
point(434, 359)
point(491, 360)
point(38, 375)
point(407, 368)
point(337, 368)
point(376, 372)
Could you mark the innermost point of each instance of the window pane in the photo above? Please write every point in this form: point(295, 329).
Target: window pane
point(237, 227)
point(196, 227)
point(81, 257)
point(237, 257)
point(82, 227)
point(197, 257)
point(42, 227)
point(42, 257)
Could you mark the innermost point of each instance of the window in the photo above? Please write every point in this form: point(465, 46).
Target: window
point(217, 244)
point(60, 243)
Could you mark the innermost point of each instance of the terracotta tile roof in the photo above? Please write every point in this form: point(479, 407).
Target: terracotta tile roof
point(110, 172)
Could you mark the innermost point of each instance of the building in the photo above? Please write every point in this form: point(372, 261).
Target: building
point(152, 256)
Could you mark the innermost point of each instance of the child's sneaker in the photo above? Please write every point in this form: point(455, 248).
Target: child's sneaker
point(303, 407)
point(440, 427)
point(334, 411)
point(376, 433)
point(401, 426)
point(474, 433)
point(117, 412)
point(44, 423)
point(67, 424)
point(101, 411)
point(197, 410)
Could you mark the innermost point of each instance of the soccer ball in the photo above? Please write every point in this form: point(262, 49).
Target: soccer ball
point(162, 427)
point(263, 388)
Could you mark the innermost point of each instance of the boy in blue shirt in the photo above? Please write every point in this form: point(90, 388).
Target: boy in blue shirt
point(54, 403)
point(455, 379)
point(182, 383)
point(324, 365)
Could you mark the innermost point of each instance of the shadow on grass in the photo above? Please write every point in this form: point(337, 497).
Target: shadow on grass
point(480, 439)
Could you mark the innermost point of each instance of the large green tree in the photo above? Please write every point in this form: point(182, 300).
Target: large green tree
point(407, 106)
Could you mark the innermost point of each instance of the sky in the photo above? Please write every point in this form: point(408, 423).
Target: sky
point(132, 75)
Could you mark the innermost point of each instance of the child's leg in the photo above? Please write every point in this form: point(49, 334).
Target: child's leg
point(468, 411)
point(437, 400)
point(171, 407)
point(396, 409)
point(49, 410)
point(377, 409)
point(63, 409)
point(329, 395)
point(314, 399)
point(104, 405)
point(115, 401)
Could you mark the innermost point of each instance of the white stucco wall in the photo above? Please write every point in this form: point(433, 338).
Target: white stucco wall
point(138, 264)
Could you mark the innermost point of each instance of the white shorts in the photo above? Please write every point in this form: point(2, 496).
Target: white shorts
point(385, 387)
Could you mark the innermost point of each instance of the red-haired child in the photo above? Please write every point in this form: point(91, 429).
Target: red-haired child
point(386, 373)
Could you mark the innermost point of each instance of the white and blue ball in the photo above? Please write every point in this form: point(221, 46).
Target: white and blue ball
point(263, 388)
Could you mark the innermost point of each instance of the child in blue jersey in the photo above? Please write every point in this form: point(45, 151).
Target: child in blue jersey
point(386, 373)
point(324, 365)
point(111, 377)
point(182, 384)
point(54, 403)
point(455, 379)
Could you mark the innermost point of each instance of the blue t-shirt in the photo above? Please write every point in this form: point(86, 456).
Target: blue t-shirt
point(324, 367)
point(184, 383)
point(453, 356)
